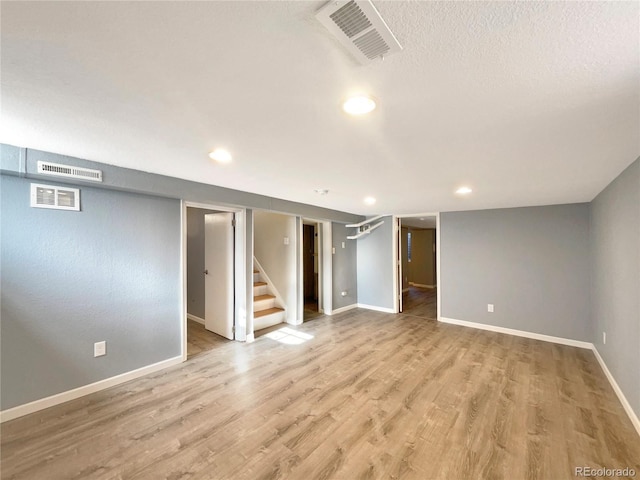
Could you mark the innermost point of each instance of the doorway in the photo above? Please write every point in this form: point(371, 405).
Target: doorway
point(311, 269)
point(213, 259)
point(417, 261)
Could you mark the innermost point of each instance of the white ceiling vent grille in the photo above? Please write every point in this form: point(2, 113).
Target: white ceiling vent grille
point(50, 196)
point(48, 168)
point(360, 28)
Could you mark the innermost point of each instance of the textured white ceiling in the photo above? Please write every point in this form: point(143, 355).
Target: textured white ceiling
point(529, 103)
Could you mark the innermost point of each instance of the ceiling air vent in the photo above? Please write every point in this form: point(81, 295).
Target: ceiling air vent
point(48, 168)
point(360, 28)
point(50, 196)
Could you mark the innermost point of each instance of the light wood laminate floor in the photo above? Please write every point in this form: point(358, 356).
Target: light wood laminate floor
point(420, 302)
point(371, 395)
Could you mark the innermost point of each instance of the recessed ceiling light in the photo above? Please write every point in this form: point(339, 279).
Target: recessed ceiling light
point(359, 104)
point(369, 200)
point(220, 155)
point(463, 191)
point(321, 191)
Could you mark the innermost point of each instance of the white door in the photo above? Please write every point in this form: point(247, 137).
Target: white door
point(218, 273)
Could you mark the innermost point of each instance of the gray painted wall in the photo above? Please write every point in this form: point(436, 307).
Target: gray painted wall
point(531, 263)
point(100, 226)
point(14, 160)
point(375, 266)
point(344, 266)
point(280, 261)
point(69, 279)
point(615, 279)
point(195, 261)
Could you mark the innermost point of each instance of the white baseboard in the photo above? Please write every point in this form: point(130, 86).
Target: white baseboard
point(250, 338)
point(343, 309)
point(421, 285)
point(377, 309)
point(616, 388)
point(519, 333)
point(195, 319)
point(59, 398)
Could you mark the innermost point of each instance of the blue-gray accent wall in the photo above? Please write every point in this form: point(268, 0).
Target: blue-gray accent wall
point(531, 263)
point(108, 272)
point(344, 266)
point(375, 266)
point(615, 279)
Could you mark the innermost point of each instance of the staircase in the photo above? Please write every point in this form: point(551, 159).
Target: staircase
point(267, 309)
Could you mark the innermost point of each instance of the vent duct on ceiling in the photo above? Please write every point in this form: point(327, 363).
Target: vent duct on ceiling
point(360, 28)
point(56, 169)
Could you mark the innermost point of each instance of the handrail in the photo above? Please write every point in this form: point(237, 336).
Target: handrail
point(364, 222)
point(365, 232)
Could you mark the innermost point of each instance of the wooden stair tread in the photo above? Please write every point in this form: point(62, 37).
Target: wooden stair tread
point(256, 271)
point(257, 298)
point(259, 284)
point(268, 311)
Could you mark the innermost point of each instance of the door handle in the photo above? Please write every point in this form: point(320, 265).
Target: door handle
point(206, 272)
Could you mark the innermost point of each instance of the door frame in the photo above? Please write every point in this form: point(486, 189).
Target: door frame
point(323, 229)
point(397, 282)
point(240, 261)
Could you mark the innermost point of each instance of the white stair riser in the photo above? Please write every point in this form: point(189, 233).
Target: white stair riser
point(261, 290)
point(256, 277)
point(268, 320)
point(264, 304)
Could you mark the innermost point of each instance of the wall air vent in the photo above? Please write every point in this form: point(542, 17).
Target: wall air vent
point(360, 28)
point(50, 196)
point(48, 168)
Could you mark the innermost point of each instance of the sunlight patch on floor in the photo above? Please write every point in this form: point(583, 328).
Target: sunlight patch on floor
point(289, 336)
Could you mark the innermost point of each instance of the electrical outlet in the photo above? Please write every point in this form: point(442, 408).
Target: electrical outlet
point(604, 338)
point(344, 245)
point(286, 240)
point(343, 293)
point(99, 349)
point(333, 250)
point(490, 307)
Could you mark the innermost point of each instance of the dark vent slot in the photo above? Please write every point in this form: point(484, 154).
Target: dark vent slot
point(56, 169)
point(350, 19)
point(371, 44)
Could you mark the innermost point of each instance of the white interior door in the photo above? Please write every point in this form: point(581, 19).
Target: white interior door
point(218, 273)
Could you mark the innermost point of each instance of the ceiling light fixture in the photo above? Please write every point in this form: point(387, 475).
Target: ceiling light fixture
point(321, 191)
point(359, 104)
point(220, 155)
point(369, 200)
point(463, 191)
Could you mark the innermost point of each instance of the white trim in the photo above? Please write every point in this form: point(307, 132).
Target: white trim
point(438, 282)
point(250, 338)
point(421, 285)
point(59, 398)
point(616, 388)
point(377, 309)
point(183, 279)
point(405, 290)
point(343, 309)
point(195, 319)
point(327, 266)
point(519, 333)
point(397, 262)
